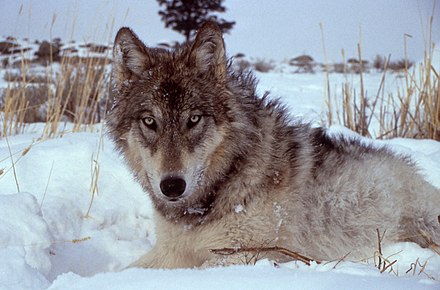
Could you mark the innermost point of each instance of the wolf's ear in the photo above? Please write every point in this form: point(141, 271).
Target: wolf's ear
point(130, 57)
point(208, 50)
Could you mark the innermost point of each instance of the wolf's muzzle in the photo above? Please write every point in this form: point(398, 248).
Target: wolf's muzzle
point(173, 186)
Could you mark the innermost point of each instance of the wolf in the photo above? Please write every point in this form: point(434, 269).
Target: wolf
point(225, 168)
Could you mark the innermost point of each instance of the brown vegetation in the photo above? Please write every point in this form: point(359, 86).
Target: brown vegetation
point(78, 93)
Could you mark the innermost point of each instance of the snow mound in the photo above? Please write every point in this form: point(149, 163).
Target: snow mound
point(24, 243)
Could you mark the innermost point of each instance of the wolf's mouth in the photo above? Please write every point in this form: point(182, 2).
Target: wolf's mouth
point(174, 199)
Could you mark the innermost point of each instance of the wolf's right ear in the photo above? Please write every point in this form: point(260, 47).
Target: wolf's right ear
point(130, 57)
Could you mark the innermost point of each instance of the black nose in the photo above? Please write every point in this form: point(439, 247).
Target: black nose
point(173, 186)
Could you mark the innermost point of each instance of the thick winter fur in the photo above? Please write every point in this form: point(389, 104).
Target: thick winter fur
point(252, 176)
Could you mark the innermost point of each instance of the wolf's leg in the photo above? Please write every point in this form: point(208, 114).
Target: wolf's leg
point(218, 260)
point(152, 259)
point(157, 258)
point(145, 261)
point(166, 258)
point(421, 224)
point(422, 229)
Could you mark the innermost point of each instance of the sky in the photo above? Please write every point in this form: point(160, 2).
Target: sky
point(277, 30)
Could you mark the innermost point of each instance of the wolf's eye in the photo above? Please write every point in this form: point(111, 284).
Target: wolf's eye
point(150, 123)
point(194, 120)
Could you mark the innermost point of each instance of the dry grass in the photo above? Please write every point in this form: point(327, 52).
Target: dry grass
point(73, 89)
point(27, 78)
point(13, 165)
point(95, 170)
point(13, 161)
point(353, 108)
point(417, 268)
point(81, 87)
point(380, 261)
point(412, 112)
point(76, 93)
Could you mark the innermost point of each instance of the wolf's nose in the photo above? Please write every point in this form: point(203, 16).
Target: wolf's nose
point(172, 186)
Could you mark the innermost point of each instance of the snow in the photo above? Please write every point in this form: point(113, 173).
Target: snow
point(48, 241)
point(238, 208)
point(25, 238)
point(264, 276)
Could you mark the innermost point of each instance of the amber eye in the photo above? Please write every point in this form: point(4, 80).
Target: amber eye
point(150, 123)
point(194, 120)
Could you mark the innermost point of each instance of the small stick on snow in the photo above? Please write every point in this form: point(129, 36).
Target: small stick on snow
point(287, 252)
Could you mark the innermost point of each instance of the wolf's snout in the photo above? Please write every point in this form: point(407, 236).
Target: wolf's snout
point(173, 186)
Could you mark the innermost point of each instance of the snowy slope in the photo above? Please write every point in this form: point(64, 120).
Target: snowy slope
point(48, 241)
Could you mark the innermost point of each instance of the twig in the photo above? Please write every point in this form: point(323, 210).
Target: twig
point(47, 185)
point(287, 252)
point(341, 259)
point(13, 164)
point(379, 246)
point(387, 266)
point(386, 262)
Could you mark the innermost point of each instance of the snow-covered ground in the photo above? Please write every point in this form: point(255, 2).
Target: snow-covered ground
point(47, 240)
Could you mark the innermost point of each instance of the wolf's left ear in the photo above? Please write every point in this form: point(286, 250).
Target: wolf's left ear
point(208, 50)
point(131, 58)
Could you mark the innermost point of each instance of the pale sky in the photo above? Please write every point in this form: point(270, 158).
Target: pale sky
point(268, 29)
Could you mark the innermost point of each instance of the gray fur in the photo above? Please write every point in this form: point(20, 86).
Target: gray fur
point(254, 177)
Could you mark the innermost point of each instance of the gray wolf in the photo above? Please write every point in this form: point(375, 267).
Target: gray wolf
point(226, 168)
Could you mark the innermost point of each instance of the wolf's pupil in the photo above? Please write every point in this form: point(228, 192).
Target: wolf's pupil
point(193, 120)
point(149, 122)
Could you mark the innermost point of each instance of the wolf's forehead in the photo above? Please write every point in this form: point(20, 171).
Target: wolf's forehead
point(168, 95)
point(171, 88)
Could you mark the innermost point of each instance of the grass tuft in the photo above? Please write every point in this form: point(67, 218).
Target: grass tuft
point(412, 112)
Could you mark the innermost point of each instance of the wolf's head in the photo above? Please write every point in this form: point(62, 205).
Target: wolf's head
point(177, 119)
